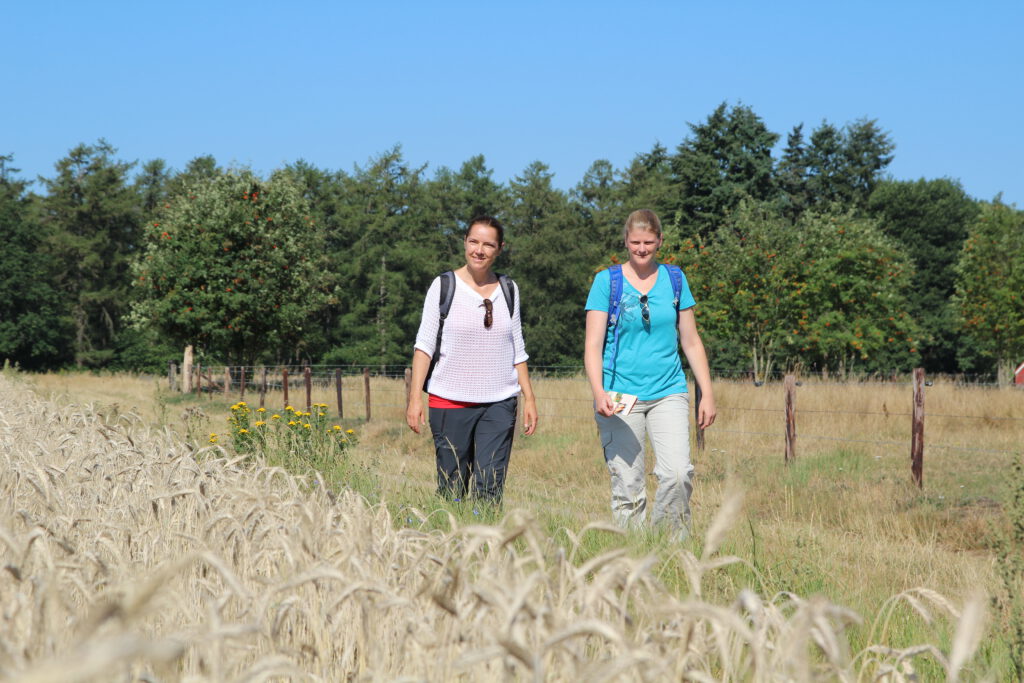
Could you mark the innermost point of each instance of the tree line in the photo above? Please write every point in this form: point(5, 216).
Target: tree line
point(812, 257)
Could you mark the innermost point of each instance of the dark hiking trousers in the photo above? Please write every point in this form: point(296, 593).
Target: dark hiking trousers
point(473, 442)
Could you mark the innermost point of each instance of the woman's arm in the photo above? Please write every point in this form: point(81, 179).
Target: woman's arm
point(414, 415)
point(593, 360)
point(697, 357)
point(529, 400)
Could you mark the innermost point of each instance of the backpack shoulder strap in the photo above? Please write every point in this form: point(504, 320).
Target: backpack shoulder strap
point(675, 274)
point(447, 295)
point(509, 291)
point(444, 304)
point(614, 305)
point(614, 293)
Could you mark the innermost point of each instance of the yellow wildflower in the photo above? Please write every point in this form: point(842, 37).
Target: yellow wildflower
point(243, 431)
point(260, 423)
point(275, 416)
point(307, 426)
point(289, 409)
point(337, 428)
point(350, 431)
point(292, 423)
point(242, 403)
point(261, 410)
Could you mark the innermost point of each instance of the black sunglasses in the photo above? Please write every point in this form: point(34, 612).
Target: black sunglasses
point(645, 310)
point(488, 313)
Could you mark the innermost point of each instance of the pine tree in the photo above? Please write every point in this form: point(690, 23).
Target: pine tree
point(92, 216)
point(34, 326)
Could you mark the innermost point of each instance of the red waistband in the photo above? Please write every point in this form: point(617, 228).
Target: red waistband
point(434, 401)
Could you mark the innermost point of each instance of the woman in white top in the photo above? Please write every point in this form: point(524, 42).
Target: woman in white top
point(480, 371)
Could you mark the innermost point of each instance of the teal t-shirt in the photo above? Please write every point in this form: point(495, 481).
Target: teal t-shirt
point(647, 363)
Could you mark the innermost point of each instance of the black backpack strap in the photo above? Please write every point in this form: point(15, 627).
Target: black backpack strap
point(444, 306)
point(509, 291)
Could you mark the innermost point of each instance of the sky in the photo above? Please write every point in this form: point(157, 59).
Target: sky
point(264, 84)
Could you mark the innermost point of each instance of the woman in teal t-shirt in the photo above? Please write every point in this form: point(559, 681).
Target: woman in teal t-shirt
point(641, 358)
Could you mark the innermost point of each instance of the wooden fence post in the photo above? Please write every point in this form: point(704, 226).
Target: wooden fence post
point(284, 384)
point(241, 384)
point(366, 386)
point(263, 385)
point(187, 370)
point(337, 388)
point(408, 386)
point(789, 386)
point(172, 375)
point(227, 380)
point(917, 430)
point(696, 417)
point(199, 378)
point(308, 377)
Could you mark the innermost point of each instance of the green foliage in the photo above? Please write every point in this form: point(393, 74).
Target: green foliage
point(989, 293)
point(552, 279)
point(367, 243)
point(91, 217)
point(726, 160)
point(828, 291)
point(34, 326)
point(837, 169)
point(930, 219)
point(388, 244)
point(231, 265)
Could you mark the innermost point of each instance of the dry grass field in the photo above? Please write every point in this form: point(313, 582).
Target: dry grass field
point(143, 554)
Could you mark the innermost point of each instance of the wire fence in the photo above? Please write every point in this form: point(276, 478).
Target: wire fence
point(360, 391)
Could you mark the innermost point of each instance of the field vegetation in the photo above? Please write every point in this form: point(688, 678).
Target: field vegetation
point(131, 541)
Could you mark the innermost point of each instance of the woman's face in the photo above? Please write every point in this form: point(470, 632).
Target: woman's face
point(482, 247)
point(642, 245)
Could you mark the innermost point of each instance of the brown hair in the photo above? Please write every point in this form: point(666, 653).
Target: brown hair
point(490, 222)
point(642, 219)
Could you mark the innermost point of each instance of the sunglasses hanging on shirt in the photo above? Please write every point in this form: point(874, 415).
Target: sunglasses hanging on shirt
point(488, 313)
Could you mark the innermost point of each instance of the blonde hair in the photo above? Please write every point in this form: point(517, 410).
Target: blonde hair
point(642, 219)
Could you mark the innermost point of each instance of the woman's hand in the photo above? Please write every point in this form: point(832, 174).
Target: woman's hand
point(706, 411)
point(414, 412)
point(529, 416)
point(603, 404)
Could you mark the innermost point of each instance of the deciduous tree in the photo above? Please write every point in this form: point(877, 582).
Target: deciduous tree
point(989, 294)
point(930, 218)
point(232, 266)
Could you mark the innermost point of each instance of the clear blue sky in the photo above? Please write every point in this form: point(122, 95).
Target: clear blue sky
point(336, 83)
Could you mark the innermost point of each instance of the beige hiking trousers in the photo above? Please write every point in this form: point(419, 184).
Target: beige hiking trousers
point(665, 421)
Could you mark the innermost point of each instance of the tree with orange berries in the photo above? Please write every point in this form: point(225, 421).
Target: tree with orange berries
point(230, 266)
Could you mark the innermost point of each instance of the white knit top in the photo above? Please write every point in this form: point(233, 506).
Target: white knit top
point(477, 364)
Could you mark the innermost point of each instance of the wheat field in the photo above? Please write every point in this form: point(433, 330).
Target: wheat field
point(130, 554)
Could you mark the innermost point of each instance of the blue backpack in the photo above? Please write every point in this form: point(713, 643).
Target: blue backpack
point(675, 275)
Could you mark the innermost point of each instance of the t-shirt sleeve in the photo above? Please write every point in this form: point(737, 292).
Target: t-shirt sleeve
point(426, 337)
point(597, 300)
point(686, 299)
